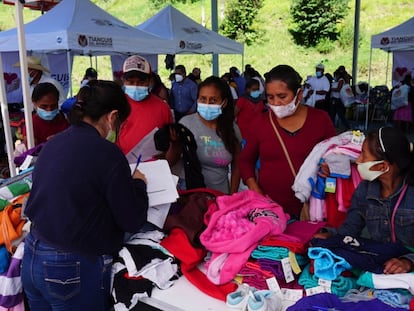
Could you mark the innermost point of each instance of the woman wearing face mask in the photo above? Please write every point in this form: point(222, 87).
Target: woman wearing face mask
point(216, 134)
point(248, 105)
point(82, 202)
point(286, 124)
point(383, 202)
point(48, 120)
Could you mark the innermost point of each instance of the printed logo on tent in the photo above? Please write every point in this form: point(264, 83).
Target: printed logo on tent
point(190, 29)
point(82, 40)
point(107, 23)
point(397, 40)
point(94, 41)
point(385, 41)
point(402, 39)
point(190, 45)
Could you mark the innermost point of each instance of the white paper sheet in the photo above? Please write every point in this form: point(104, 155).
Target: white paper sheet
point(161, 187)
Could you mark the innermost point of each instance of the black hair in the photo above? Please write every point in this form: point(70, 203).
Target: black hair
point(250, 83)
point(225, 128)
point(98, 98)
point(391, 144)
point(90, 73)
point(180, 67)
point(407, 79)
point(42, 89)
point(192, 166)
point(286, 74)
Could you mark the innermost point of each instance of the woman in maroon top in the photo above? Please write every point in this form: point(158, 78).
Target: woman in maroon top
point(48, 120)
point(248, 105)
point(300, 128)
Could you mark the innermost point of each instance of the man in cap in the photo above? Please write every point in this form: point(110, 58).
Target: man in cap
point(320, 86)
point(39, 74)
point(184, 94)
point(147, 110)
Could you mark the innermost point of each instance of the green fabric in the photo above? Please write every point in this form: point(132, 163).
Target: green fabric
point(339, 286)
point(19, 188)
point(365, 279)
point(3, 204)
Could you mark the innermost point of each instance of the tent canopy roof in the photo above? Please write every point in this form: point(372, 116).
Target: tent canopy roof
point(189, 37)
point(398, 38)
point(86, 29)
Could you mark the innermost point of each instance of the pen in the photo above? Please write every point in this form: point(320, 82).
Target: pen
point(138, 161)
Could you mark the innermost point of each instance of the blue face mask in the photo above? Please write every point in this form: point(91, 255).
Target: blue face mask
point(30, 80)
point(209, 112)
point(137, 93)
point(255, 94)
point(319, 74)
point(47, 115)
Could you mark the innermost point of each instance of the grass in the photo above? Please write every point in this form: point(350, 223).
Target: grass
point(276, 46)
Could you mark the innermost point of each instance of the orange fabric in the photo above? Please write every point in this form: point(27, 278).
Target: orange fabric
point(11, 223)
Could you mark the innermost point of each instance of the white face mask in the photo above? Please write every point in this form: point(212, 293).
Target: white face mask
point(284, 111)
point(366, 173)
point(178, 78)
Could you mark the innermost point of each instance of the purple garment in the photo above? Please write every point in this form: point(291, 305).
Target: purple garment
point(32, 151)
point(253, 278)
point(325, 300)
point(273, 266)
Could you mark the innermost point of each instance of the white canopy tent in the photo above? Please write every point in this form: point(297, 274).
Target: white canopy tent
point(397, 39)
point(188, 36)
point(83, 28)
point(78, 27)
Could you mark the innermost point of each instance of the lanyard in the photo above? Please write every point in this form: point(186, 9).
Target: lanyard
point(400, 197)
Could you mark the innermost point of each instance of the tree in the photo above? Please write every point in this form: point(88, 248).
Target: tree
point(240, 22)
point(316, 21)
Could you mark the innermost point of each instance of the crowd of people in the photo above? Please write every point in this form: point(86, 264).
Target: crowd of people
point(238, 131)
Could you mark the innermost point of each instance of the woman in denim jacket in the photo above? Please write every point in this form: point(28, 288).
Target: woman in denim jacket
point(383, 201)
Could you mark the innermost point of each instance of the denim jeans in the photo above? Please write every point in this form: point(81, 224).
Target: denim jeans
point(59, 280)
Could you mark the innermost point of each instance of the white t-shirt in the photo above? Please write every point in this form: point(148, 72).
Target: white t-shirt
point(319, 84)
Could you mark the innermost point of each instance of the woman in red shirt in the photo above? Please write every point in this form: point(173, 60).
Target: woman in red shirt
point(300, 128)
point(48, 120)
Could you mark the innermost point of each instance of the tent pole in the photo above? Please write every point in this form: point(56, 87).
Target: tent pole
point(388, 66)
point(369, 88)
point(214, 27)
point(68, 58)
point(356, 42)
point(6, 123)
point(27, 103)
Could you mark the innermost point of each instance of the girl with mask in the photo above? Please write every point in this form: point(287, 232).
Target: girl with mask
point(383, 202)
point(248, 105)
point(216, 134)
point(82, 201)
point(47, 120)
point(286, 123)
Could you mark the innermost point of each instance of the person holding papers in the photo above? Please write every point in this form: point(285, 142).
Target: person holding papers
point(218, 137)
point(148, 111)
point(82, 202)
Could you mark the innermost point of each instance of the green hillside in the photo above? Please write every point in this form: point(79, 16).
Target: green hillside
point(276, 47)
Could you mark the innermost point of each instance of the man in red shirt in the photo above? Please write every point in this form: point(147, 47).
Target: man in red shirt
point(147, 110)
